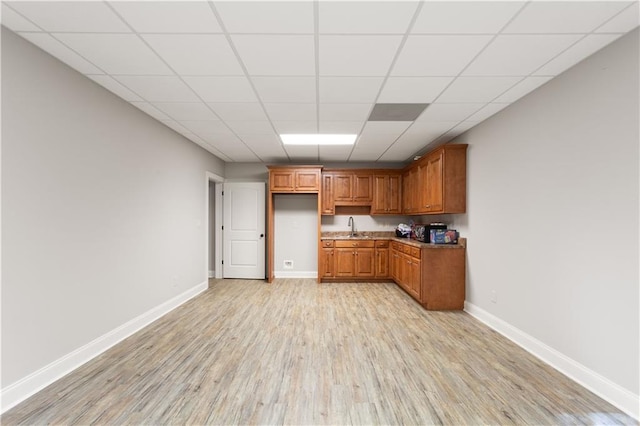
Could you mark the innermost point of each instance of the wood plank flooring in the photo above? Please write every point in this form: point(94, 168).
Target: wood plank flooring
point(296, 352)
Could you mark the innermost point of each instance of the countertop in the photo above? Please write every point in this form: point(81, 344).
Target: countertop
point(378, 235)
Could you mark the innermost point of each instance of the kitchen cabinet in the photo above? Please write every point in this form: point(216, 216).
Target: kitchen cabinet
point(409, 191)
point(438, 182)
point(327, 205)
point(352, 188)
point(294, 179)
point(326, 259)
point(386, 193)
point(382, 259)
point(354, 259)
point(432, 275)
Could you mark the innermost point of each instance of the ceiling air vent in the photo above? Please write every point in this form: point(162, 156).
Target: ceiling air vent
point(396, 112)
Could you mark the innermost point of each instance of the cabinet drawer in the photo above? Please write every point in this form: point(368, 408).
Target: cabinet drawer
point(382, 243)
point(415, 252)
point(356, 243)
point(396, 246)
point(327, 243)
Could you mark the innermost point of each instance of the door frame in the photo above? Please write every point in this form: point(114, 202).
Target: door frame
point(218, 181)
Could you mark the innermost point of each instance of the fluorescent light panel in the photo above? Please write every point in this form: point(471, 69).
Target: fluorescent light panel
point(317, 139)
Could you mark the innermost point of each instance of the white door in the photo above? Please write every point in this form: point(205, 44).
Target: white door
point(243, 230)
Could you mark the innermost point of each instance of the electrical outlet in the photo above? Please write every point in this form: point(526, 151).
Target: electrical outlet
point(494, 296)
point(288, 264)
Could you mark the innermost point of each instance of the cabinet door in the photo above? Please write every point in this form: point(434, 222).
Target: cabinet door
point(326, 265)
point(344, 263)
point(421, 186)
point(410, 191)
point(380, 194)
point(414, 278)
point(365, 264)
point(434, 181)
point(362, 187)
point(281, 180)
point(393, 195)
point(382, 262)
point(342, 187)
point(307, 180)
point(328, 204)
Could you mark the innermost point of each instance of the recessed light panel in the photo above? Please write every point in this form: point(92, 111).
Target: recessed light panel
point(317, 139)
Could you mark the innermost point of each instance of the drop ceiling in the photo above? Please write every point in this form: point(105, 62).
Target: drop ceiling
point(232, 75)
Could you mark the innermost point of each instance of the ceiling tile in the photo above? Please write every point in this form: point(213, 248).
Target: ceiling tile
point(302, 152)
point(238, 111)
point(624, 22)
point(233, 148)
point(159, 88)
point(168, 16)
point(437, 55)
point(267, 147)
point(116, 53)
point(334, 152)
point(250, 127)
point(205, 128)
point(286, 89)
point(413, 89)
point(174, 125)
point(62, 52)
point(519, 90)
point(428, 129)
point(367, 152)
point(151, 110)
point(71, 16)
point(464, 17)
point(267, 17)
point(185, 110)
point(386, 128)
point(563, 16)
point(358, 17)
point(296, 126)
point(576, 53)
point(345, 112)
point(404, 148)
point(112, 85)
point(357, 55)
point(222, 89)
point(488, 110)
point(196, 54)
point(464, 126)
point(519, 54)
point(341, 127)
point(349, 89)
point(276, 54)
point(16, 22)
point(223, 142)
point(292, 112)
point(449, 112)
point(477, 89)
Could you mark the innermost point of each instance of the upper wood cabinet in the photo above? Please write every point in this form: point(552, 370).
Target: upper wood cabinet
point(294, 179)
point(438, 182)
point(386, 193)
point(327, 204)
point(352, 188)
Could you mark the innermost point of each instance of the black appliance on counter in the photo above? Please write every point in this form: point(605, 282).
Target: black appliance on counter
point(423, 232)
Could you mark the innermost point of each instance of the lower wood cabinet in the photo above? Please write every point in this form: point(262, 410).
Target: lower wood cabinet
point(354, 259)
point(382, 259)
point(433, 275)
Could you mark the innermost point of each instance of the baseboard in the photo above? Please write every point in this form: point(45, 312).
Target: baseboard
point(212, 274)
point(38, 380)
point(615, 394)
point(295, 274)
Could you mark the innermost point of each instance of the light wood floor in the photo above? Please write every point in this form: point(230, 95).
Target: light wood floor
point(296, 352)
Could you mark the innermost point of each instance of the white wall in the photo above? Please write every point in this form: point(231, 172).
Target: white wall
point(552, 218)
point(339, 223)
point(103, 211)
point(296, 235)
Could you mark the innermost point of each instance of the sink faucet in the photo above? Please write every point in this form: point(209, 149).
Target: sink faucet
point(352, 224)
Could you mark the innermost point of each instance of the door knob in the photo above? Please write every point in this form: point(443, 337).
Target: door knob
point(261, 235)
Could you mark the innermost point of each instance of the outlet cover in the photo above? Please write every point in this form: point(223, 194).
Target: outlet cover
point(288, 264)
